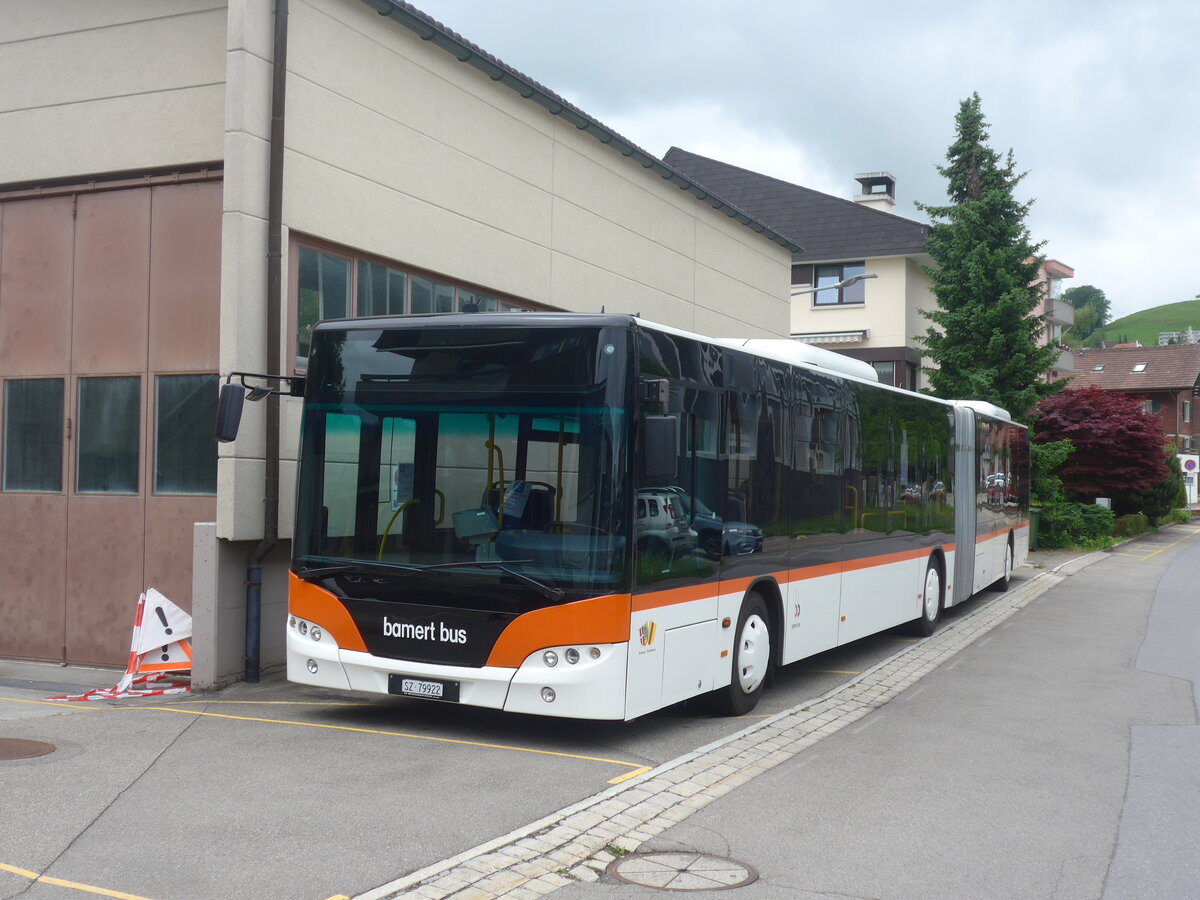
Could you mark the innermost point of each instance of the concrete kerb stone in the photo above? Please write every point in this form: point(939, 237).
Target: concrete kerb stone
point(638, 810)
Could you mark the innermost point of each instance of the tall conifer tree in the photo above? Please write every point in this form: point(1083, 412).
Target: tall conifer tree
point(984, 336)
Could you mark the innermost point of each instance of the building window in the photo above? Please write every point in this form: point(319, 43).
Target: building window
point(185, 455)
point(1139, 367)
point(1187, 411)
point(886, 370)
point(335, 285)
point(324, 293)
point(106, 450)
point(1153, 406)
point(33, 434)
point(381, 290)
point(828, 276)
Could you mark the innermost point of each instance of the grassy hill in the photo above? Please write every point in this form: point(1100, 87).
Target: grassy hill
point(1146, 325)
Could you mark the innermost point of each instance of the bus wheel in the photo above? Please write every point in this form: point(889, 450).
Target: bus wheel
point(931, 602)
point(1001, 583)
point(751, 659)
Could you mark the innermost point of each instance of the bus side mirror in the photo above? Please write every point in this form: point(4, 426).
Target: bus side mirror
point(660, 446)
point(229, 412)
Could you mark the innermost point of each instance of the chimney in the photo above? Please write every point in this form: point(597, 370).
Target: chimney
point(878, 190)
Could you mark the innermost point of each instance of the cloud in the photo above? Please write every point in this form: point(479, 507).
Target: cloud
point(716, 132)
point(1099, 100)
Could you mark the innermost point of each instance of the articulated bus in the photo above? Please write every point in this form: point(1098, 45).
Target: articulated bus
point(594, 516)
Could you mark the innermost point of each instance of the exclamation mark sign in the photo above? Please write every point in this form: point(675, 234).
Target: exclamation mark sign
point(162, 617)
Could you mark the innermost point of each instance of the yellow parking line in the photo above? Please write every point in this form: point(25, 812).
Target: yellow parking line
point(1142, 557)
point(73, 885)
point(635, 769)
point(404, 734)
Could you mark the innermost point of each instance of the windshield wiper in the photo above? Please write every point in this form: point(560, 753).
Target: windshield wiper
point(550, 593)
point(359, 566)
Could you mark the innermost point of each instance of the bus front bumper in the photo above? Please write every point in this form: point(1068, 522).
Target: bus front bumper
point(591, 687)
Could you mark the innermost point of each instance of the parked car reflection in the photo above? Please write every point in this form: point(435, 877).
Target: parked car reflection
point(715, 536)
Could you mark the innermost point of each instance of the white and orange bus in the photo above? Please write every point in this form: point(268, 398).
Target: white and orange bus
point(594, 516)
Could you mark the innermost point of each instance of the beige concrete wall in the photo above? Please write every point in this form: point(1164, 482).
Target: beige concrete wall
point(920, 293)
point(396, 149)
point(95, 87)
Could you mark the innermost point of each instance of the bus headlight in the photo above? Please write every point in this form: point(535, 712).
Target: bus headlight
point(548, 694)
point(572, 655)
point(550, 658)
point(314, 633)
point(312, 666)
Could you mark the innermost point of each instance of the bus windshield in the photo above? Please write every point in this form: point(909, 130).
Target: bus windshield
point(496, 454)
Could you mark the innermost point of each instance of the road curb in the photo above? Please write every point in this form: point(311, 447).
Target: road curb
point(579, 841)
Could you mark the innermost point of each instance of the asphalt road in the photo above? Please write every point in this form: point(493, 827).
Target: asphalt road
point(279, 791)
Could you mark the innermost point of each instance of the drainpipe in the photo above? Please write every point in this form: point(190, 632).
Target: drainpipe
point(274, 302)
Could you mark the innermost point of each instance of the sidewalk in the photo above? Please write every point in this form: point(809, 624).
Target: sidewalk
point(1040, 761)
point(991, 760)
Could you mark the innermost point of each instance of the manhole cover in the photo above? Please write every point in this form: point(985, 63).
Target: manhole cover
point(16, 748)
point(681, 871)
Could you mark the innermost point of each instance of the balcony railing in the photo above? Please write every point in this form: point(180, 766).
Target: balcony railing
point(1065, 361)
point(1059, 312)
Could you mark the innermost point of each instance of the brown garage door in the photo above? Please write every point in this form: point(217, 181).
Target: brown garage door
point(109, 323)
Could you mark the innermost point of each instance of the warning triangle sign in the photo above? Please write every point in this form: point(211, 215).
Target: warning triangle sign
point(162, 623)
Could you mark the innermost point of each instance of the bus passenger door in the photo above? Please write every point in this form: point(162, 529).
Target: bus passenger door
point(965, 514)
point(820, 503)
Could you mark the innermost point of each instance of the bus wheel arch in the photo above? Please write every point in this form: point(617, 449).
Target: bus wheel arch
point(1001, 584)
point(933, 596)
point(753, 654)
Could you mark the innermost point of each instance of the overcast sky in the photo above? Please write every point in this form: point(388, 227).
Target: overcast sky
point(1099, 101)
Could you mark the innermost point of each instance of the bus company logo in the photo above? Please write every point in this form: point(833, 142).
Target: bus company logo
point(646, 634)
point(431, 631)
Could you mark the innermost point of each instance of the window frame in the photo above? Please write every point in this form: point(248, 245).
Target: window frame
point(5, 427)
point(854, 295)
point(156, 423)
point(461, 291)
point(80, 435)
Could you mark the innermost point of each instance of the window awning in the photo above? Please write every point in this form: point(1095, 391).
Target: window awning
point(833, 337)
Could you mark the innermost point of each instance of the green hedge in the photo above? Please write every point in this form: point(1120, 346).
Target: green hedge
point(1128, 526)
point(1075, 525)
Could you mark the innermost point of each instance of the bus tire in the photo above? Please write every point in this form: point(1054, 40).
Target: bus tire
point(1001, 583)
point(931, 602)
point(751, 659)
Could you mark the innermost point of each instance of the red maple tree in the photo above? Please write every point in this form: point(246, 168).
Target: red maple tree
point(1118, 445)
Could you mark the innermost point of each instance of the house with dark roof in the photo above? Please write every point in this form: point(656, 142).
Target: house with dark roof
point(1167, 377)
point(873, 319)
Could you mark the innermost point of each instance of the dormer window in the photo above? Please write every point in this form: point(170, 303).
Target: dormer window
point(1139, 367)
point(1097, 368)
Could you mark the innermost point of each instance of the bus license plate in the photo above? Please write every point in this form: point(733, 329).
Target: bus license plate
point(427, 688)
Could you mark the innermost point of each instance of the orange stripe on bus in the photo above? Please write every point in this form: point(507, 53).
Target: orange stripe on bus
point(980, 538)
point(321, 607)
point(676, 596)
point(599, 620)
point(870, 562)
